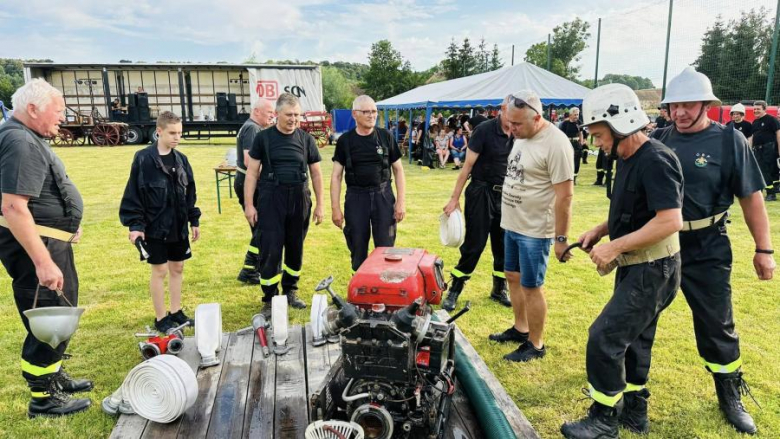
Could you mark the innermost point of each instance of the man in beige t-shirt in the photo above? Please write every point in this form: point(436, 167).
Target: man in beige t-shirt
point(535, 208)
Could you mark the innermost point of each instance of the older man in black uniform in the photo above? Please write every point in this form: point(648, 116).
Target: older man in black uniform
point(766, 141)
point(717, 166)
point(571, 128)
point(486, 162)
point(644, 220)
point(261, 118)
point(367, 154)
point(288, 156)
point(42, 211)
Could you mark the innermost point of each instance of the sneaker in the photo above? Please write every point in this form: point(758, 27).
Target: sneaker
point(179, 318)
point(65, 383)
point(510, 335)
point(294, 301)
point(164, 325)
point(526, 352)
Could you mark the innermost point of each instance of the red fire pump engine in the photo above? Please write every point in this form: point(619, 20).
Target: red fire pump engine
point(395, 374)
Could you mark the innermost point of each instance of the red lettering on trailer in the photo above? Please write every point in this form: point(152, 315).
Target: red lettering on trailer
point(268, 89)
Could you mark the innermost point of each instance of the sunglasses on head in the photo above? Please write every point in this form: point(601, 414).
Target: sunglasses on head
point(519, 103)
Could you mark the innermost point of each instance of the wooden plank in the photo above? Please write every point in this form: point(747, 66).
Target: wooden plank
point(195, 421)
point(227, 417)
point(291, 417)
point(516, 419)
point(317, 363)
point(259, 417)
point(462, 423)
point(129, 427)
point(168, 431)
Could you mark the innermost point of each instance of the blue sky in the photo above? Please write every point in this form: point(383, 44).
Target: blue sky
point(633, 32)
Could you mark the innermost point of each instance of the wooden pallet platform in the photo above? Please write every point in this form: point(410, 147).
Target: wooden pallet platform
point(251, 396)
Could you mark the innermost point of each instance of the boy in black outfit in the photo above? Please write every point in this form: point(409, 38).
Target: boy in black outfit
point(158, 203)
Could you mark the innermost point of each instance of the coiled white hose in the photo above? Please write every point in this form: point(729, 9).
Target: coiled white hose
point(452, 229)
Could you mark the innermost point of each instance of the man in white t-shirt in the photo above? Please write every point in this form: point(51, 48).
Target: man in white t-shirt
point(535, 208)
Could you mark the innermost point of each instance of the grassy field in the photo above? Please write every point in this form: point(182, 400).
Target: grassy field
point(114, 291)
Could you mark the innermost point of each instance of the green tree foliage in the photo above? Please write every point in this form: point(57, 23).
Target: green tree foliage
point(568, 41)
point(337, 90)
point(735, 56)
point(635, 82)
point(495, 59)
point(388, 74)
point(11, 78)
point(451, 64)
point(468, 60)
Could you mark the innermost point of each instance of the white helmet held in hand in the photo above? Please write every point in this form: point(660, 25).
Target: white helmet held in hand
point(738, 108)
point(616, 105)
point(690, 86)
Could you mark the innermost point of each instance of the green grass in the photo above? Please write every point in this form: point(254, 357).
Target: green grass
point(114, 291)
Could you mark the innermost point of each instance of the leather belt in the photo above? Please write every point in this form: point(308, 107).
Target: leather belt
point(669, 246)
point(46, 232)
point(703, 223)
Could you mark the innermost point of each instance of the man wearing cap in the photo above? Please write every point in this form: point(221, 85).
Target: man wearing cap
point(739, 123)
point(535, 209)
point(485, 164)
point(766, 141)
point(643, 223)
point(42, 211)
point(717, 166)
point(663, 120)
point(367, 155)
point(261, 118)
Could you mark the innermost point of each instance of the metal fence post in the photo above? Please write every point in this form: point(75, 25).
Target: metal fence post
point(771, 77)
point(549, 54)
point(666, 56)
point(598, 46)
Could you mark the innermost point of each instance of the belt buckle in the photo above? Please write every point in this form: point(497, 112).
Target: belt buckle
point(498, 187)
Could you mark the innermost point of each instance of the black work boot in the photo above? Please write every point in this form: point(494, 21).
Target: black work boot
point(249, 274)
point(601, 423)
point(451, 301)
point(293, 300)
point(49, 400)
point(634, 414)
point(728, 386)
point(69, 385)
point(599, 179)
point(770, 195)
point(499, 292)
point(266, 310)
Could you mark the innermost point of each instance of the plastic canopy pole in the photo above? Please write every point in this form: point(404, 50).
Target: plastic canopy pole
point(409, 128)
point(387, 125)
point(396, 125)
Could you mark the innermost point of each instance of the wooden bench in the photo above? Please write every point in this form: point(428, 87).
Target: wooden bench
point(251, 396)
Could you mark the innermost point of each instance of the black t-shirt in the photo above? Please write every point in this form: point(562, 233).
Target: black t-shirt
point(476, 120)
point(493, 147)
point(287, 154)
point(169, 162)
point(661, 122)
point(765, 129)
point(29, 167)
point(366, 153)
point(571, 129)
point(701, 157)
point(744, 127)
point(648, 181)
point(244, 139)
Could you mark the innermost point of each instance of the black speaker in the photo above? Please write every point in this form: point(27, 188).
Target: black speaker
point(232, 112)
point(222, 100)
point(132, 113)
point(231, 99)
point(143, 100)
point(132, 100)
point(143, 114)
point(222, 113)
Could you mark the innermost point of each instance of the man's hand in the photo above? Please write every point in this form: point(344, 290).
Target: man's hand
point(400, 211)
point(49, 275)
point(77, 236)
point(251, 215)
point(338, 218)
point(135, 235)
point(451, 206)
point(560, 247)
point(590, 238)
point(765, 265)
point(318, 215)
point(195, 233)
point(603, 255)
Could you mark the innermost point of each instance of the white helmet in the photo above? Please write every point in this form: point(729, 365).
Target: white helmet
point(616, 105)
point(690, 86)
point(738, 108)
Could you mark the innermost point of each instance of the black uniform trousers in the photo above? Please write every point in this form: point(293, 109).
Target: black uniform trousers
point(254, 244)
point(368, 211)
point(706, 285)
point(282, 224)
point(483, 219)
point(575, 144)
point(38, 358)
point(766, 155)
point(601, 164)
point(621, 339)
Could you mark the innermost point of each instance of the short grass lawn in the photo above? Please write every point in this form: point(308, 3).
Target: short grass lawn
point(114, 291)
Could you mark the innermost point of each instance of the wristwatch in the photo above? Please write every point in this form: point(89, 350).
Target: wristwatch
point(561, 238)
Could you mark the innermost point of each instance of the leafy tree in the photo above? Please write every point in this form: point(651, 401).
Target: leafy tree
point(568, 41)
point(467, 58)
point(482, 57)
point(451, 63)
point(495, 59)
point(336, 89)
point(11, 78)
point(388, 74)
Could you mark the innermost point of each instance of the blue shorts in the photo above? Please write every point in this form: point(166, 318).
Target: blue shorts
point(527, 256)
point(457, 155)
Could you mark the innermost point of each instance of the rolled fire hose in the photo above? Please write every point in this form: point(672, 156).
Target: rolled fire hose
point(160, 389)
point(208, 333)
point(452, 229)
